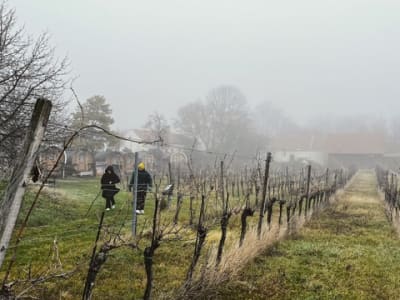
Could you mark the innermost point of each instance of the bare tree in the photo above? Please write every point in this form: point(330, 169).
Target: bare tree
point(271, 121)
point(28, 70)
point(193, 120)
point(221, 122)
point(158, 126)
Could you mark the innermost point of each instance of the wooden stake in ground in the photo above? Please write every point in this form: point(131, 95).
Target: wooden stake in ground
point(264, 194)
point(308, 200)
point(11, 204)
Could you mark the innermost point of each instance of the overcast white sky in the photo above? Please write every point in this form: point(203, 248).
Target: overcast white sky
point(308, 57)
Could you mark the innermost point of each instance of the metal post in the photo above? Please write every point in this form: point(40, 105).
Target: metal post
point(65, 164)
point(134, 191)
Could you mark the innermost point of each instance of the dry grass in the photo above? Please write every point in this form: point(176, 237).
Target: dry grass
point(349, 252)
point(235, 258)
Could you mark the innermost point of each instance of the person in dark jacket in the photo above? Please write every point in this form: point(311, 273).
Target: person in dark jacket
point(144, 183)
point(108, 181)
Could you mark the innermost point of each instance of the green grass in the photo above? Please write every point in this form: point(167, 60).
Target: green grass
point(60, 214)
point(349, 252)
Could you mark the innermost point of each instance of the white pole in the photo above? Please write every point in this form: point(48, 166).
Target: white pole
point(134, 191)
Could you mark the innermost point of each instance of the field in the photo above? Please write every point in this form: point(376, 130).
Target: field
point(61, 233)
point(60, 215)
point(350, 251)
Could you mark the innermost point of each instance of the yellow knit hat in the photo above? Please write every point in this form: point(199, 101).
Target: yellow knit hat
point(141, 166)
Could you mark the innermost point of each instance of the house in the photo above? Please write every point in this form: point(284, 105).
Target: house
point(361, 149)
point(79, 163)
point(47, 159)
point(285, 156)
point(157, 156)
point(122, 162)
point(302, 146)
point(141, 134)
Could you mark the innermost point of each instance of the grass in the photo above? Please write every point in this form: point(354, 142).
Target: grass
point(60, 214)
point(308, 259)
point(349, 252)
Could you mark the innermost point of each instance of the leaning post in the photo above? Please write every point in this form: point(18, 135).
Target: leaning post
point(12, 200)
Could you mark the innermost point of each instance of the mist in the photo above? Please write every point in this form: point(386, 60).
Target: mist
point(307, 58)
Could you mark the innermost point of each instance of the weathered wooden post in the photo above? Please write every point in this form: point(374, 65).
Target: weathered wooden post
point(11, 204)
point(281, 203)
point(171, 182)
point(308, 201)
point(325, 199)
point(178, 207)
point(264, 194)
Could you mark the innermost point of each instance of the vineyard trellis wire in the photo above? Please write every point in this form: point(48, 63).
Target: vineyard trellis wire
point(218, 195)
point(284, 190)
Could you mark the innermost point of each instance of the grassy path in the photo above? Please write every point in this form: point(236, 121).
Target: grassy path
point(350, 251)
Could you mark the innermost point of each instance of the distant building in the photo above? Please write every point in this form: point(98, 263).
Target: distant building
point(80, 163)
point(317, 157)
point(362, 149)
point(358, 149)
point(157, 156)
point(47, 159)
point(121, 161)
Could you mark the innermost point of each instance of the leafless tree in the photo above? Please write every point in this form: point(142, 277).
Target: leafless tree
point(271, 121)
point(221, 122)
point(158, 126)
point(28, 70)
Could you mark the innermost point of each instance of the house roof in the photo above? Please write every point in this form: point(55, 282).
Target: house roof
point(340, 143)
point(299, 141)
point(356, 143)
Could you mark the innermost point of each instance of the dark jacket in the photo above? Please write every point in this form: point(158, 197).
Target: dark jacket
point(144, 180)
point(108, 181)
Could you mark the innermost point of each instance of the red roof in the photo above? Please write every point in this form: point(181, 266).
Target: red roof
point(356, 143)
point(337, 143)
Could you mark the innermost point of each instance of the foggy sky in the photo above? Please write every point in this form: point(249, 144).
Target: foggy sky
point(308, 57)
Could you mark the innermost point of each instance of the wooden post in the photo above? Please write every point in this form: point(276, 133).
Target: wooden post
point(171, 181)
point(326, 186)
point(178, 207)
point(308, 201)
point(222, 183)
point(264, 194)
point(11, 204)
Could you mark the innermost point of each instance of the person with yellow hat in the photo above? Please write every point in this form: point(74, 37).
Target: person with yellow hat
point(145, 183)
